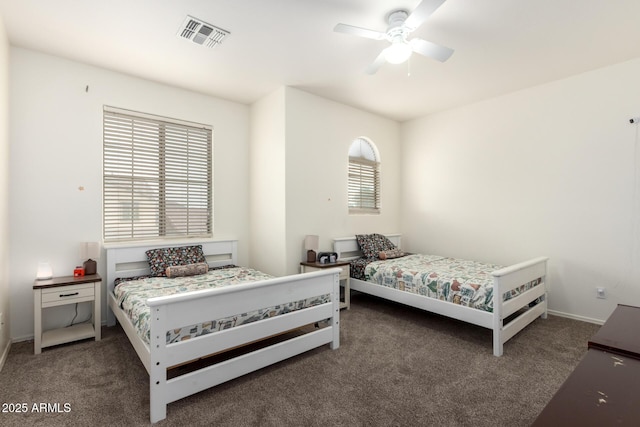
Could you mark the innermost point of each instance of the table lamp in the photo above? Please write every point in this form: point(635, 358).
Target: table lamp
point(311, 245)
point(45, 272)
point(91, 252)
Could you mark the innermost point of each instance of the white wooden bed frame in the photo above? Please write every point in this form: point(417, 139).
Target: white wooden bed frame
point(169, 312)
point(504, 280)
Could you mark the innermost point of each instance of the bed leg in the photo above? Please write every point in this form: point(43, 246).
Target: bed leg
point(544, 313)
point(158, 410)
point(157, 403)
point(111, 318)
point(497, 344)
point(335, 320)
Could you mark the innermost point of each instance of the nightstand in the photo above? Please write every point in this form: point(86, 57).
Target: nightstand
point(306, 267)
point(63, 291)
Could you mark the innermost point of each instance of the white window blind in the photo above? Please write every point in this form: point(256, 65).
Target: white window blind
point(157, 177)
point(364, 178)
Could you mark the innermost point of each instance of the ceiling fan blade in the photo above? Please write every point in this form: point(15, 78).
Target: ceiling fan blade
point(375, 65)
point(360, 32)
point(431, 50)
point(421, 13)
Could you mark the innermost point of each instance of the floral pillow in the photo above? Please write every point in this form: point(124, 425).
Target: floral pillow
point(372, 244)
point(161, 258)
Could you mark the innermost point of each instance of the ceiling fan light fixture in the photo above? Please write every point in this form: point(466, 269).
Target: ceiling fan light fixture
point(401, 24)
point(398, 53)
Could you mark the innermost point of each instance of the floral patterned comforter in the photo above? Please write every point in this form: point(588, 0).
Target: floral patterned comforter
point(132, 297)
point(463, 282)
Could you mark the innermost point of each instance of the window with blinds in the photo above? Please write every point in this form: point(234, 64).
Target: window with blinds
point(364, 178)
point(157, 177)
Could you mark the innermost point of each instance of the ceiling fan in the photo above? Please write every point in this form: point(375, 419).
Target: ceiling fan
point(401, 24)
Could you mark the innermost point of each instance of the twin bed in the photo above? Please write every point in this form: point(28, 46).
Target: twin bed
point(460, 289)
point(191, 321)
point(172, 322)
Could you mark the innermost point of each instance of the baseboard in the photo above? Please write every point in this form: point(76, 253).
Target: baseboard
point(22, 338)
point(575, 317)
point(5, 354)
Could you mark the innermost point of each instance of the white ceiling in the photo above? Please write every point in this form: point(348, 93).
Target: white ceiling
point(500, 46)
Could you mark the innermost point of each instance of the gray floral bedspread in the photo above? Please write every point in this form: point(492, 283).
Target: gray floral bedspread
point(132, 297)
point(463, 282)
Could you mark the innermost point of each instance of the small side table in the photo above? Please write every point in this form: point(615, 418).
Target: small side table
point(63, 291)
point(306, 267)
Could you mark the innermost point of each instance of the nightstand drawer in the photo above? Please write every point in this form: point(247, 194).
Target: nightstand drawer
point(67, 294)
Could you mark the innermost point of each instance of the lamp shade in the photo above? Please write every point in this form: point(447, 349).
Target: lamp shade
point(45, 272)
point(311, 243)
point(90, 250)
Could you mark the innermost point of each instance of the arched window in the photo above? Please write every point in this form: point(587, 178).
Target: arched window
point(364, 177)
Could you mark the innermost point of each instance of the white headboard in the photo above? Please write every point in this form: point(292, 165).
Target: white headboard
point(129, 261)
point(347, 247)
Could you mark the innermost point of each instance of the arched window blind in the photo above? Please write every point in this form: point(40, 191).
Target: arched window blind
point(157, 177)
point(364, 178)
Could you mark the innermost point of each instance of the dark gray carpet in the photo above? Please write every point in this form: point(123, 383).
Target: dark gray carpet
point(396, 366)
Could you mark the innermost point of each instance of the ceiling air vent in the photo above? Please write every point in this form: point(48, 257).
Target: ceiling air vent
point(201, 33)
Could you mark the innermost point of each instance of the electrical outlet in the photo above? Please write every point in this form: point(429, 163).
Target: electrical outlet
point(600, 293)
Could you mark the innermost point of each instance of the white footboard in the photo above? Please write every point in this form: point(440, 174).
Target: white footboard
point(508, 279)
point(187, 309)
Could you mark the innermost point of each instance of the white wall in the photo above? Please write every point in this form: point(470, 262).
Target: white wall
point(5, 323)
point(300, 147)
point(551, 170)
point(56, 147)
point(318, 135)
point(267, 177)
